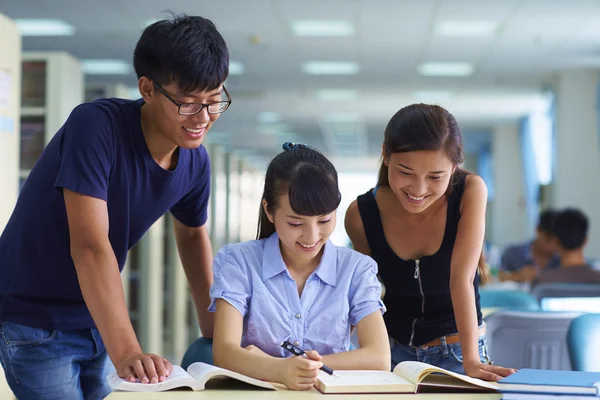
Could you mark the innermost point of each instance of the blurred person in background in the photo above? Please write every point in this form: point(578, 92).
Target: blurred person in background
point(522, 262)
point(571, 232)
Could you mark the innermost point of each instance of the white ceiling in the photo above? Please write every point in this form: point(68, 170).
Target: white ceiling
point(534, 39)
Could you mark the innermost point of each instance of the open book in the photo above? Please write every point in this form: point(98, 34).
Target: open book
point(197, 376)
point(408, 377)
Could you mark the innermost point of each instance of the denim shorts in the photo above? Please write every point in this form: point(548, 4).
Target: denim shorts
point(446, 356)
point(54, 364)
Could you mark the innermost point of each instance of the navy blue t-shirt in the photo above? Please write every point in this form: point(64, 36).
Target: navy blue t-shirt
point(100, 152)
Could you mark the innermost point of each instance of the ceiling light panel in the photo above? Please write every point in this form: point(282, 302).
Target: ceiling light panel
point(330, 68)
point(446, 69)
point(463, 29)
point(44, 27)
point(105, 67)
point(322, 28)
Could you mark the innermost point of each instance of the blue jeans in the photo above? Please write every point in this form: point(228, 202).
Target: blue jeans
point(446, 356)
point(54, 365)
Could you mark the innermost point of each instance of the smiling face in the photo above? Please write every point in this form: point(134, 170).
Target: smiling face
point(184, 131)
point(419, 178)
point(302, 237)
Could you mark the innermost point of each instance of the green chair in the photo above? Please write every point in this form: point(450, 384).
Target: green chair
point(199, 350)
point(513, 299)
point(583, 344)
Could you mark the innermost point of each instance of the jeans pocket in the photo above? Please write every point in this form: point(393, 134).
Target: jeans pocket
point(483, 354)
point(456, 351)
point(21, 335)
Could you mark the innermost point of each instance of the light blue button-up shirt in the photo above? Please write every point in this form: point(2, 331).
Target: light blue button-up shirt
point(253, 278)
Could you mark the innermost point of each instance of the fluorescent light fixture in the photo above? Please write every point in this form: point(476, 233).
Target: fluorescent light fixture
point(268, 117)
point(322, 28)
point(236, 68)
point(106, 67)
point(330, 68)
point(466, 28)
point(336, 94)
point(44, 27)
point(446, 69)
point(431, 96)
point(340, 118)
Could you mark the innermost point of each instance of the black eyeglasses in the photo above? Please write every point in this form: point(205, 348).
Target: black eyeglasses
point(194, 108)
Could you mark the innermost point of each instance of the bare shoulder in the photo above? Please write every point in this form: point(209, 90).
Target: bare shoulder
point(355, 229)
point(475, 190)
point(353, 221)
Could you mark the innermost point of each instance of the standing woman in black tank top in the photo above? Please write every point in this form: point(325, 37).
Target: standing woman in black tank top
point(424, 224)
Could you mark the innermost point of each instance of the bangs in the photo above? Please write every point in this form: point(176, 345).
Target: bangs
point(312, 193)
point(193, 80)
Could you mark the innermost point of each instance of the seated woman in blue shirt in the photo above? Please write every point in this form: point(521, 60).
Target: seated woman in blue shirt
point(292, 284)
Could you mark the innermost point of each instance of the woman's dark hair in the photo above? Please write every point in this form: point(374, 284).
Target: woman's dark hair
point(185, 50)
point(421, 127)
point(307, 177)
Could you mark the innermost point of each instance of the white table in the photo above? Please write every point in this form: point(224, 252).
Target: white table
point(291, 395)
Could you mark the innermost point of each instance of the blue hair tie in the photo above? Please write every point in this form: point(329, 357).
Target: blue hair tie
point(288, 146)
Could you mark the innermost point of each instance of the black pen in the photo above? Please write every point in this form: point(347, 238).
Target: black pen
point(299, 352)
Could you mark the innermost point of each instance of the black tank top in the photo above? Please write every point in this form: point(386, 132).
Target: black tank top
point(419, 307)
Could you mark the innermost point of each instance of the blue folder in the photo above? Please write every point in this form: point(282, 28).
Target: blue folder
point(551, 382)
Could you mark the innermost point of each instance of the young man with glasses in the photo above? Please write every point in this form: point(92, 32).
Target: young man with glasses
point(108, 174)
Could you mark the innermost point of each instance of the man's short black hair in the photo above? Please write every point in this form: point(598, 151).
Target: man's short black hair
point(185, 50)
point(546, 221)
point(571, 227)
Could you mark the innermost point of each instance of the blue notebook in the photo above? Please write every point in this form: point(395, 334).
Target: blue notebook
point(552, 382)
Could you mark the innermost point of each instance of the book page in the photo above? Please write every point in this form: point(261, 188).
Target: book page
point(202, 373)
point(418, 372)
point(178, 378)
point(363, 382)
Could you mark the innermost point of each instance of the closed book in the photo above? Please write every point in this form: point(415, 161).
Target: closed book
point(551, 382)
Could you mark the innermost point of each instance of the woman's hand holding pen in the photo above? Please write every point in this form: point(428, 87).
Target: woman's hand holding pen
point(487, 372)
point(300, 373)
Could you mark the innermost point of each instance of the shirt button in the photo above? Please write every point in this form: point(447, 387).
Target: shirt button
point(296, 343)
point(298, 316)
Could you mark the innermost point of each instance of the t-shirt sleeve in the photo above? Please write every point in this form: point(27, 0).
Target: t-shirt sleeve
point(86, 152)
point(365, 291)
point(231, 282)
point(191, 210)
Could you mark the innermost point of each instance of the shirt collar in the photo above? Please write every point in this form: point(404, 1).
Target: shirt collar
point(327, 269)
point(272, 263)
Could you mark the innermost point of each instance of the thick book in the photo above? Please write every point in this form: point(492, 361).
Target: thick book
point(408, 377)
point(196, 378)
point(551, 382)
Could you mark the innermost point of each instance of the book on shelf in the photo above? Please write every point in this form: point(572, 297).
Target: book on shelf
point(33, 84)
point(32, 142)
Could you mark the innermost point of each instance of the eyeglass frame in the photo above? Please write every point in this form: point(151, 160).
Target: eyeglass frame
point(203, 105)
